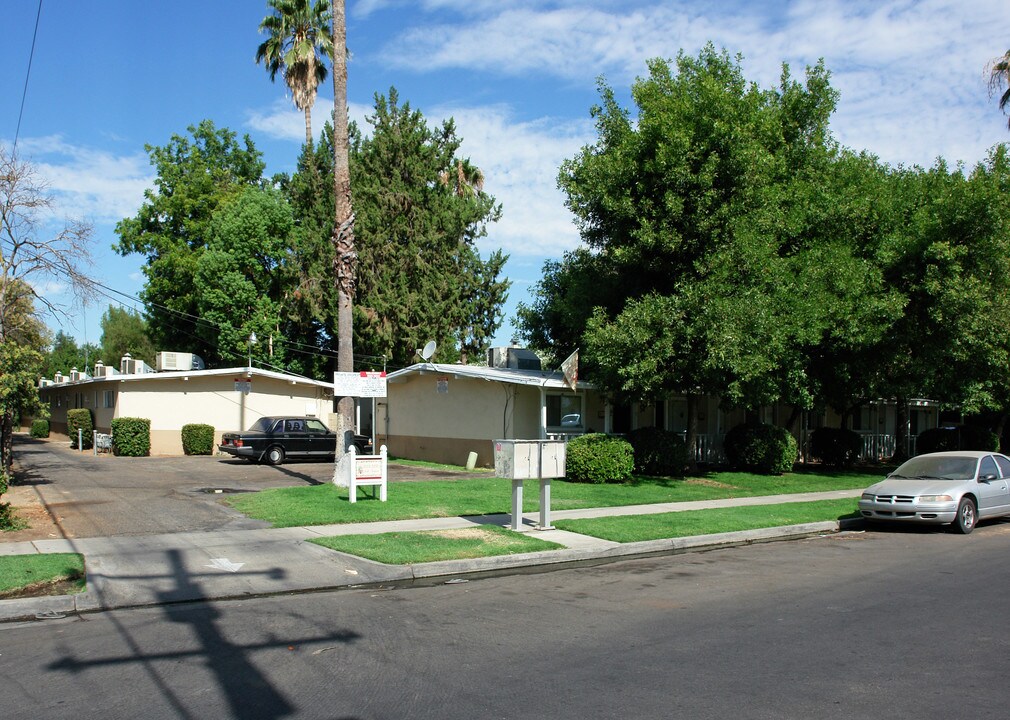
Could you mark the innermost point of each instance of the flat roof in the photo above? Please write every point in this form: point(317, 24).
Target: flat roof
point(176, 374)
point(538, 378)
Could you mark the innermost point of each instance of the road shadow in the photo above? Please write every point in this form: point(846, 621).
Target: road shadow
point(247, 690)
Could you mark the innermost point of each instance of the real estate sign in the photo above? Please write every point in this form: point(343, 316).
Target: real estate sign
point(359, 384)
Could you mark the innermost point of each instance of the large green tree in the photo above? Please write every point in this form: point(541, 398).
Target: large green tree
point(125, 331)
point(706, 212)
point(299, 44)
point(195, 175)
point(419, 211)
point(239, 274)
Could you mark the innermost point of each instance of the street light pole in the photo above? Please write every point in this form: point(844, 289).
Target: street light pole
point(252, 341)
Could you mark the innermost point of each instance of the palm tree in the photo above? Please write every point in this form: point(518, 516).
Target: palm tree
point(999, 77)
point(298, 44)
point(345, 258)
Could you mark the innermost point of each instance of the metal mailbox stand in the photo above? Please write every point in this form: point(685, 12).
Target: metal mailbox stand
point(520, 460)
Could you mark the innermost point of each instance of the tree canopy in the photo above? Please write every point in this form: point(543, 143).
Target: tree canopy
point(733, 248)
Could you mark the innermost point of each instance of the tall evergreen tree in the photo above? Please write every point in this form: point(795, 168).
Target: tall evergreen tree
point(419, 277)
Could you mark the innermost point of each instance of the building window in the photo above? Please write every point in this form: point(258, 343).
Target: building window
point(565, 411)
point(110, 399)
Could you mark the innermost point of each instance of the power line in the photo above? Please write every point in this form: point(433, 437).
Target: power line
point(24, 93)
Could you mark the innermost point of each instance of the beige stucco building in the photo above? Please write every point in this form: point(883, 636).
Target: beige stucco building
point(229, 399)
point(442, 413)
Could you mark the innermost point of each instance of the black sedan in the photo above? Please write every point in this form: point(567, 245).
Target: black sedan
point(272, 439)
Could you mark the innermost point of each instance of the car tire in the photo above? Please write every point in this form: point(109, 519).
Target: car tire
point(967, 516)
point(274, 455)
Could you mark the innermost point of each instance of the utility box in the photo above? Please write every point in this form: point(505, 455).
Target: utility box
point(529, 459)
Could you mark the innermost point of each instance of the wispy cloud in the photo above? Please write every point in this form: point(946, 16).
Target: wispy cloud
point(283, 121)
point(87, 183)
point(910, 73)
point(520, 161)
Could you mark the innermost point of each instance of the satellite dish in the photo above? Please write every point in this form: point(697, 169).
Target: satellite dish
point(428, 351)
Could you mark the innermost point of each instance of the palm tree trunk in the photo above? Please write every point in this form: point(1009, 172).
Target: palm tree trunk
point(345, 258)
point(308, 125)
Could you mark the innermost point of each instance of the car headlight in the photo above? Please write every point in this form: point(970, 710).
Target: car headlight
point(935, 498)
point(867, 496)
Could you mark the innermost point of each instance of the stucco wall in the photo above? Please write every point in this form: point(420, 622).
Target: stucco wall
point(171, 402)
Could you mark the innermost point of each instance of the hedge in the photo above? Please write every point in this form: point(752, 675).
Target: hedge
point(839, 447)
point(131, 437)
point(80, 419)
point(761, 448)
point(40, 428)
point(966, 437)
point(658, 452)
point(198, 439)
point(599, 458)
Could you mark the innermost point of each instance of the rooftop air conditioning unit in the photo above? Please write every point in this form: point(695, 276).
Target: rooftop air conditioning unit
point(105, 371)
point(167, 361)
point(76, 375)
point(59, 378)
point(129, 366)
point(513, 358)
point(45, 382)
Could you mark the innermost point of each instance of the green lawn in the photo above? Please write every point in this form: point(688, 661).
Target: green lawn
point(408, 548)
point(635, 528)
point(36, 575)
point(326, 504)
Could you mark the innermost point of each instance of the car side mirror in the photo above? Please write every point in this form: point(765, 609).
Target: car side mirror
point(988, 478)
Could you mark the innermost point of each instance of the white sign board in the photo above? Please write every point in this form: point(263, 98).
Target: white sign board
point(359, 384)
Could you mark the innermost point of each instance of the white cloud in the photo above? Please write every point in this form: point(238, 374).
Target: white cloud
point(283, 121)
point(87, 183)
point(520, 161)
point(911, 74)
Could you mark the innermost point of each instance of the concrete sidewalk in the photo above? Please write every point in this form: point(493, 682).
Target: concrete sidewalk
point(180, 567)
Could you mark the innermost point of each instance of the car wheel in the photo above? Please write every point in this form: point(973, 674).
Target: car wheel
point(275, 455)
point(967, 516)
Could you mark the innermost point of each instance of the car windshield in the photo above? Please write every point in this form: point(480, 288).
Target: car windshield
point(264, 424)
point(945, 467)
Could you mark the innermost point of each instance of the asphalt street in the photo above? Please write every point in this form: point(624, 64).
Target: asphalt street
point(896, 624)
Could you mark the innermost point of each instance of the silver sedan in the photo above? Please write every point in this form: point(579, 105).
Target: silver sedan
point(959, 488)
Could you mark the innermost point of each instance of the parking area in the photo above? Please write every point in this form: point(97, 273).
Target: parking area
point(79, 494)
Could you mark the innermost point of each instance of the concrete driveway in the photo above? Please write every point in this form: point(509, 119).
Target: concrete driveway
point(66, 493)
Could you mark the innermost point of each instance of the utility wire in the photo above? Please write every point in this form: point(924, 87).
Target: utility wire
point(24, 93)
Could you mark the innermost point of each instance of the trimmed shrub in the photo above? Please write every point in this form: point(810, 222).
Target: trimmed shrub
point(80, 419)
point(966, 437)
point(836, 446)
point(761, 448)
point(131, 437)
point(40, 428)
point(599, 458)
point(198, 439)
point(658, 451)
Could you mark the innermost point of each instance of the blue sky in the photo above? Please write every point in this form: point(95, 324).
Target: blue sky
point(109, 76)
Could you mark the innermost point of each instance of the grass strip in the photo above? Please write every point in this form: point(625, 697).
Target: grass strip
point(409, 548)
point(326, 504)
point(635, 528)
point(38, 575)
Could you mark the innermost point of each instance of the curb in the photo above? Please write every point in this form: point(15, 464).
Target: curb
point(59, 606)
